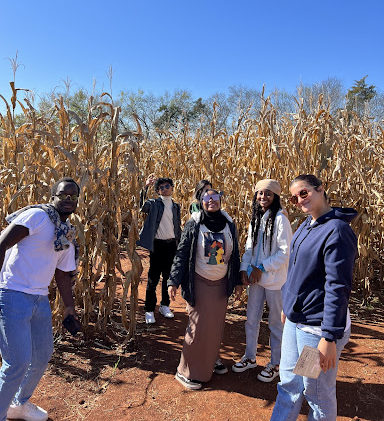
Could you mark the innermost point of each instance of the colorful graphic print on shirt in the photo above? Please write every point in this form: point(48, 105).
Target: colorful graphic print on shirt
point(214, 247)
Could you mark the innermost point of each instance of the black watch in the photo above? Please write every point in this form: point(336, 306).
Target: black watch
point(330, 340)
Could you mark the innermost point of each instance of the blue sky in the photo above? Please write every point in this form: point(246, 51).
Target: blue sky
point(202, 46)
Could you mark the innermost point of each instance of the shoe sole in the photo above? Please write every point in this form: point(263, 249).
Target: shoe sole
point(266, 379)
point(167, 317)
point(242, 369)
point(221, 371)
point(188, 386)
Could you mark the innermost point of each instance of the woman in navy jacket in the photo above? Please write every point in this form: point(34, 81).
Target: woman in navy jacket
point(315, 301)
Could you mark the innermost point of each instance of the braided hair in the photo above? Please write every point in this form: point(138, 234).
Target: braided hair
point(257, 214)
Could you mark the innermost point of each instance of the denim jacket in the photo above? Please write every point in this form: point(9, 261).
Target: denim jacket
point(155, 209)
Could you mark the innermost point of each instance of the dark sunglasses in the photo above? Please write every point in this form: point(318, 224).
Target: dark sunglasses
point(302, 193)
point(164, 187)
point(63, 196)
point(214, 197)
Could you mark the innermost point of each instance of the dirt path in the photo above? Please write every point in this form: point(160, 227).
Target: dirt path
point(90, 381)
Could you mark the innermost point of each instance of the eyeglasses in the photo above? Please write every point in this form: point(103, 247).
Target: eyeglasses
point(208, 197)
point(63, 196)
point(302, 193)
point(164, 187)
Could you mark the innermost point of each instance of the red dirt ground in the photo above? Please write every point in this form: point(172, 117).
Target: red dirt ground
point(90, 380)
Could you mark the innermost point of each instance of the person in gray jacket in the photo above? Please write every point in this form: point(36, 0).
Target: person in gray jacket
point(160, 235)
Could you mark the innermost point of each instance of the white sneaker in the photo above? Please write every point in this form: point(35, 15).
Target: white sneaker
point(150, 317)
point(243, 365)
point(27, 412)
point(166, 312)
point(269, 373)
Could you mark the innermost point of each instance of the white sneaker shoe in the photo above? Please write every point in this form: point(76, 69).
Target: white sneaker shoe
point(27, 412)
point(244, 364)
point(150, 317)
point(166, 312)
point(269, 373)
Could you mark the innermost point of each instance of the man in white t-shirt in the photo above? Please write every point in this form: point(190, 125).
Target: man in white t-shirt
point(34, 248)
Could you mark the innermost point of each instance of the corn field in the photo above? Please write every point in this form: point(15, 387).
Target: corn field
point(111, 166)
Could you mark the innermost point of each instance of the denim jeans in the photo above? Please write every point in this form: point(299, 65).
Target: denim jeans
point(257, 296)
point(26, 345)
point(320, 393)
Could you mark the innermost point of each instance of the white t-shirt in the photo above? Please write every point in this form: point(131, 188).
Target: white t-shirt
point(166, 230)
point(30, 265)
point(213, 252)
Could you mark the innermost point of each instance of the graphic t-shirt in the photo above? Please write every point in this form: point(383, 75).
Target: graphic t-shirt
point(213, 252)
point(30, 265)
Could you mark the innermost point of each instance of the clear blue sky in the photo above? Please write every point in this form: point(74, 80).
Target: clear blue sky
point(203, 46)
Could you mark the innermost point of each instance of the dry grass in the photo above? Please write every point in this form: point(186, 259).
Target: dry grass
point(344, 151)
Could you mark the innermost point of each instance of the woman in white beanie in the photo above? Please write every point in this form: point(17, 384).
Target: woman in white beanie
point(264, 268)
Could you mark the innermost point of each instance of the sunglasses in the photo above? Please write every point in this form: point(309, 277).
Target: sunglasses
point(302, 193)
point(164, 187)
point(63, 196)
point(208, 197)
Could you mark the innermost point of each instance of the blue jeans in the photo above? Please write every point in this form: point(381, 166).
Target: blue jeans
point(26, 345)
point(257, 296)
point(320, 393)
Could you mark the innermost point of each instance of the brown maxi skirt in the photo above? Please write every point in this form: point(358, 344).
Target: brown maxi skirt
point(204, 330)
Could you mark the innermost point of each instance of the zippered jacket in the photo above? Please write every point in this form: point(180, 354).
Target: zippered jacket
point(320, 272)
point(274, 259)
point(183, 267)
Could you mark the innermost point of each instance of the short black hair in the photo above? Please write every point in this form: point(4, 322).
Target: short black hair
point(162, 180)
point(64, 180)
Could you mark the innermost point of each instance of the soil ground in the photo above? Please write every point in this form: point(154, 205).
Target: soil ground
point(90, 380)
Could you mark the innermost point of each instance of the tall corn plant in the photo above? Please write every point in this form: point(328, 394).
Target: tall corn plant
point(104, 161)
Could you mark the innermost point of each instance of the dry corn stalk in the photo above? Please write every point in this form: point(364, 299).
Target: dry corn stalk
point(344, 151)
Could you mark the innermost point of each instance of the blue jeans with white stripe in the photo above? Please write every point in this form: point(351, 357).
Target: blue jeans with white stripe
point(320, 393)
point(26, 345)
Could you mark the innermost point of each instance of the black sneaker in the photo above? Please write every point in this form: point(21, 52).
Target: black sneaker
point(220, 368)
point(188, 383)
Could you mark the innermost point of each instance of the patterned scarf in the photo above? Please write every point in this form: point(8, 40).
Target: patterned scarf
point(65, 232)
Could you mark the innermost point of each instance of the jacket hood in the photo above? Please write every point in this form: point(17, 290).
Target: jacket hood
point(345, 214)
point(196, 216)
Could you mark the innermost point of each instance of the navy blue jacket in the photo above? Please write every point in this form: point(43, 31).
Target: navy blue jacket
point(320, 271)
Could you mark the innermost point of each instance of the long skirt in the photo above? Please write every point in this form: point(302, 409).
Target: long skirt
point(205, 328)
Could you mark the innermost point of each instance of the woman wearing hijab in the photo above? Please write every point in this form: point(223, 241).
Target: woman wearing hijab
point(206, 266)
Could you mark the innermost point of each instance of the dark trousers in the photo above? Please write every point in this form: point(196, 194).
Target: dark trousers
point(160, 262)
